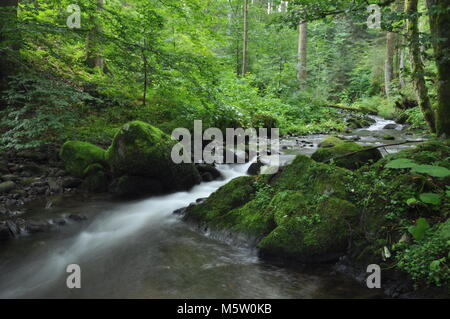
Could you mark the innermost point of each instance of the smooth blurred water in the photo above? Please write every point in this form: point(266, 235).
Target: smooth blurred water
point(141, 250)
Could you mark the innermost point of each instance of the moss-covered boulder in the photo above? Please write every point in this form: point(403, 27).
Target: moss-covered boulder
point(230, 196)
point(310, 230)
point(77, 156)
point(140, 149)
point(311, 177)
point(96, 178)
point(388, 137)
point(330, 141)
point(356, 122)
point(135, 186)
point(338, 154)
point(301, 213)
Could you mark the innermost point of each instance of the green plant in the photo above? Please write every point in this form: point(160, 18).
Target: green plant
point(428, 260)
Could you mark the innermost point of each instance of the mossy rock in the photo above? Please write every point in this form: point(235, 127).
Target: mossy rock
point(77, 156)
point(317, 231)
point(388, 137)
point(233, 195)
point(352, 162)
point(135, 186)
point(330, 141)
point(96, 179)
point(302, 212)
point(311, 177)
point(140, 149)
point(357, 122)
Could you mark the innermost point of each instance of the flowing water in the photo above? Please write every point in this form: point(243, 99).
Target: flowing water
point(141, 249)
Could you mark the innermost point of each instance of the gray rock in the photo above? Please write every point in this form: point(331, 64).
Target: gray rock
point(255, 168)
point(77, 218)
point(7, 186)
point(5, 233)
point(33, 227)
point(208, 168)
point(9, 177)
point(390, 127)
point(71, 182)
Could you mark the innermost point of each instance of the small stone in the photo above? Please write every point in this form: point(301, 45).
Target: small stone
point(77, 218)
point(7, 186)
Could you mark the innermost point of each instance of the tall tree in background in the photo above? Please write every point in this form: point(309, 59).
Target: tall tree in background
point(94, 55)
point(302, 51)
point(440, 29)
point(245, 43)
point(417, 66)
point(9, 38)
point(391, 39)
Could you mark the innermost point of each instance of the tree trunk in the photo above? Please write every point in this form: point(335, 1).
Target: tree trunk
point(245, 45)
point(389, 63)
point(402, 68)
point(93, 51)
point(440, 30)
point(417, 64)
point(9, 39)
point(302, 52)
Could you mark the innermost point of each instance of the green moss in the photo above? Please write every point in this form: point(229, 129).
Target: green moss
point(388, 137)
point(314, 231)
point(77, 156)
point(140, 149)
point(350, 162)
point(230, 196)
point(249, 219)
point(299, 214)
point(330, 141)
point(312, 177)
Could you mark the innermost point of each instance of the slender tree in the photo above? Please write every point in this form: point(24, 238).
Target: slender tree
point(418, 70)
point(391, 38)
point(95, 58)
point(302, 51)
point(9, 39)
point(245, 42)
point(439, 12)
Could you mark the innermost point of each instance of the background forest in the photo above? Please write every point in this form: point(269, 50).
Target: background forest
point(170, 62)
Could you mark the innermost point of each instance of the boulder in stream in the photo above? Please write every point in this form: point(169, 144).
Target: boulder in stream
point(140, 149)
point(338, 154)
point(301, 213)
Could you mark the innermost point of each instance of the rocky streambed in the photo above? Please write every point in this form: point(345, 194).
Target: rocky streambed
point(160, 256)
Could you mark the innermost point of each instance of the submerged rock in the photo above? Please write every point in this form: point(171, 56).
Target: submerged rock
point(338, 154)
point(140, 149)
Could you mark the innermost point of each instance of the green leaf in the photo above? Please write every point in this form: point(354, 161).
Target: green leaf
point(430, 198)
point(435, 265)
point(434, 171)
point(448, 193)
point(418, 231)
point(411, 201)
point(401, 163)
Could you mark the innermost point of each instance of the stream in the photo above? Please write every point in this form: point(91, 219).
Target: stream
point(139, 249)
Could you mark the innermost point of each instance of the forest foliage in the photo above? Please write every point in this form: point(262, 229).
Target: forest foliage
point(170, 62)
